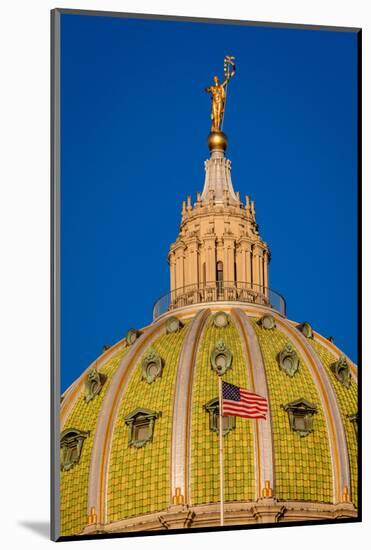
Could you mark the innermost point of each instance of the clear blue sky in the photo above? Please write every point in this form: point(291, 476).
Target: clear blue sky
point(135, 120)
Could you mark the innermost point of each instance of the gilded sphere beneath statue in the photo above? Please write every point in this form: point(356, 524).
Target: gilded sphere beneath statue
point(217, 140)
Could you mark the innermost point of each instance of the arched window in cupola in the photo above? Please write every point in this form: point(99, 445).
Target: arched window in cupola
point(219, 276)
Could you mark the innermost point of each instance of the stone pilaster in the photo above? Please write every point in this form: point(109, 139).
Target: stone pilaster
point(268, 510)
point(210, 247)
point(172, 263)
point(177, 517)
point(266, 261)
point(228, 245)
point(255, 267)
point(243, 253)
point(191, 262)
point(179, 269)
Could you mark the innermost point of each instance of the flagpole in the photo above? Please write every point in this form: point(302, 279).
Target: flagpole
point(221, 464)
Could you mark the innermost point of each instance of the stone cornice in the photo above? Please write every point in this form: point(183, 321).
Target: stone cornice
point(263, 510)
point(206, 211)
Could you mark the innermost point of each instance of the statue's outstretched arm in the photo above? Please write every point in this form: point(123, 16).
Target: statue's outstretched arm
point(223, 84)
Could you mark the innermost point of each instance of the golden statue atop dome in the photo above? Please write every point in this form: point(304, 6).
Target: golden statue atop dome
point(219, 94)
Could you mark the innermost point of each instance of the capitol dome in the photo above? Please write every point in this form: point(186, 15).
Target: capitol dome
point(140, 426)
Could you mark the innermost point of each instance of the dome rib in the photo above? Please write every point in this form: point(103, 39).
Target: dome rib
point(239, 465)
point(106, 421)
point(346, 399)
point(263, 430)
point(73, 392)
point(308, 476)
point(332, 348)
point(83, 417)
point(337, 441)
point(145, 472)
point(182, 407)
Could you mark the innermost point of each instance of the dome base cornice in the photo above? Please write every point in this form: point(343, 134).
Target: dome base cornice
point(191, 310)
point(264, 510)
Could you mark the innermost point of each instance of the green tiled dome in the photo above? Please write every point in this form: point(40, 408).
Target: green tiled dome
point(149, 456)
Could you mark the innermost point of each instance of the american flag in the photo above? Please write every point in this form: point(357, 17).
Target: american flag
point(240, 402)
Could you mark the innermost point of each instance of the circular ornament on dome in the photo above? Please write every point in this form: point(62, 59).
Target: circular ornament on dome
point(341, 371)
point(132, 336)
point(288, 360)
point(267, 322)
point(221, 358)
point(221, 319)
point(306, 329)
point(173, 324)
point(93, 384)
point(152, 366)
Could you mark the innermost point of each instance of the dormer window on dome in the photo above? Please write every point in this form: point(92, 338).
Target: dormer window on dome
point(229, 422)
point(71, 444)
point(141, 424)
point(300, 414)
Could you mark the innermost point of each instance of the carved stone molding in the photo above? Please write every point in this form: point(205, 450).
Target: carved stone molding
point(268, 510)
point(306, 329)
point(221, 358)
point(173, 324)
point(341, 371)
point(132, 336)
point(93, 384)
point(221, 319)
point(267, 322)
point(288, 360)
point(152, 366)
point(177, 517)
point(264, 510)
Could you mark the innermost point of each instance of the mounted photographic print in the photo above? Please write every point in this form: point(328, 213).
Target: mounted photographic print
point(205, 338)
